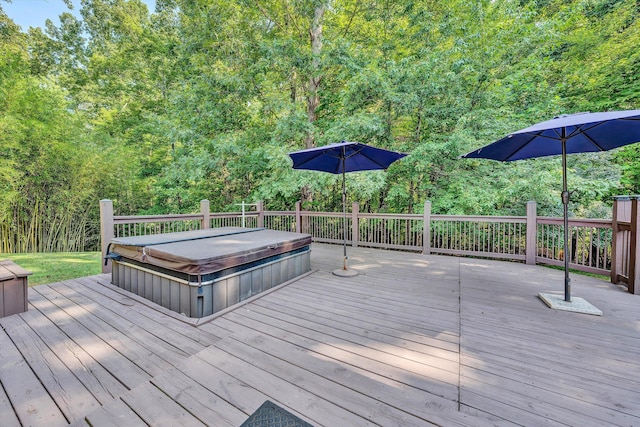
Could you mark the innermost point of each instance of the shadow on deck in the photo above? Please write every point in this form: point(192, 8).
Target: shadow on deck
point(412, 340)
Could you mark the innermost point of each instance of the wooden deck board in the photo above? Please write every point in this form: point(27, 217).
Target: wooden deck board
point(371, 392)
point(395, 316)
point(567, 405)
point(547, 366)
point(129, 374)
point(412, 340)
point(9, 417)
point(198, 399)
point(234, 399)
point(370, 360)
point(158, 409)
point(94, 377)
point(365, 345)
point(179, 334)
point(28, 396)
point(140, 356)
point(114, 414)
point(398, 312)
point(349, 327)
point(134, 337)
point(556, 355)
point(358, 318)
point(392, 318)
point(243, 365)
point(554, 377)
point(70, 395)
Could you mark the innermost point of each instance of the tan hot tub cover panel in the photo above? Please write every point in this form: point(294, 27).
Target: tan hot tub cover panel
point(207, 251)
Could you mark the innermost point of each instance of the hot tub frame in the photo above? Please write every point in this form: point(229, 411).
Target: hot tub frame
point(206, 291)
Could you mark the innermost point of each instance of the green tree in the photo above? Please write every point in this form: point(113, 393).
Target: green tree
point(205, 98)
point(45, 185)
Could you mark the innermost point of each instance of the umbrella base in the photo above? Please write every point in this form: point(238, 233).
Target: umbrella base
point(341, 272)
point(576, 305)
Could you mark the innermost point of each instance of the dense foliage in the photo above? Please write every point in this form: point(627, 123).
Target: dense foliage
point(198, 99)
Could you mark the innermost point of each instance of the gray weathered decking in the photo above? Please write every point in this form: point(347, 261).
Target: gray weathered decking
point(412, 340)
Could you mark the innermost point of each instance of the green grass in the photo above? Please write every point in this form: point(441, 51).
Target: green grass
point(54, 267)
point(583, 273)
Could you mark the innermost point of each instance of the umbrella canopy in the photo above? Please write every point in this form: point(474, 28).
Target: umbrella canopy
point(582, 132)
point(340, 158)
point(344, 157)
point(566, 134)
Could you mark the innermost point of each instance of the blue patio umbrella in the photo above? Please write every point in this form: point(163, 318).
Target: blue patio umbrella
point(566, 134)
point(340, 158)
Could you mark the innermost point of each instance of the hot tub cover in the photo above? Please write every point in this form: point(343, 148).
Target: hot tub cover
point(207, 251)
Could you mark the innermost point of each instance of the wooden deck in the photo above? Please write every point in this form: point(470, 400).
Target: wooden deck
point(412, 340)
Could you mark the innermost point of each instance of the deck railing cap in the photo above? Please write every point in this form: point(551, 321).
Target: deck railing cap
point(628, 197)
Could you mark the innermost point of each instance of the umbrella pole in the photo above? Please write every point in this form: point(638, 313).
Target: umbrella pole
point(565, 203)
point(344, 215)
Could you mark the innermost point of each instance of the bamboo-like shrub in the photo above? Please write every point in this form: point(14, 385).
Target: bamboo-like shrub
point(36, 228)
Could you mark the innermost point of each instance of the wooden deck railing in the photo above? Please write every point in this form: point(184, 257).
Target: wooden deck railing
point(605, 247)
point(590, 243)
point(492, 237)
point(625, 247)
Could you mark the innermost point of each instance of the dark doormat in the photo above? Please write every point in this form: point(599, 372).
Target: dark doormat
point(271, 415)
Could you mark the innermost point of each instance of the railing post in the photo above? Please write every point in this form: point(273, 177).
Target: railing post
point(426, 229)
point(621, 213)
point(531, 249)
point(106, 230)
point(206, 214)
point(260, 210)
point(355, 226)
point(634, 252)
point(299, 216)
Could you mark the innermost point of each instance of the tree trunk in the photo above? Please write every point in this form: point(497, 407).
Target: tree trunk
point(313, 96)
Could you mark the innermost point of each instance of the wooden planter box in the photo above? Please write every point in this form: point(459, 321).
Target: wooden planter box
point(13, 288)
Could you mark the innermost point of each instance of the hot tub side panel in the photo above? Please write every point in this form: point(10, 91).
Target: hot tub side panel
point(198, 300)
point(169, 292)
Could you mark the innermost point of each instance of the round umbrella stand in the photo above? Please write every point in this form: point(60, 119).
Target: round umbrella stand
point(341, 272)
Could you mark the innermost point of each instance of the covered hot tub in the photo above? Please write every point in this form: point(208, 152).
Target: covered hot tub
point(198, 273)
